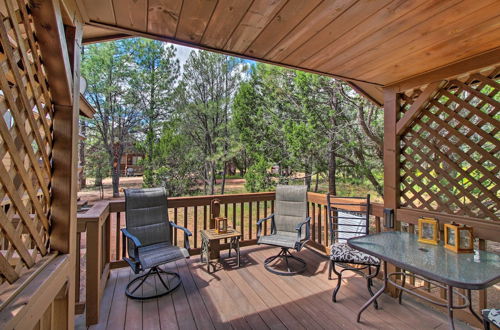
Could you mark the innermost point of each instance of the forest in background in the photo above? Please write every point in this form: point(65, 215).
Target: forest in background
point(218, 117)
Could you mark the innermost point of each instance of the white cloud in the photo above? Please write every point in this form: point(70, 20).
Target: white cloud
point(182, 53)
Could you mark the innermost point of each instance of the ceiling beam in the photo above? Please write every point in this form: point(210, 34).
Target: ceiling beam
point(460, 68)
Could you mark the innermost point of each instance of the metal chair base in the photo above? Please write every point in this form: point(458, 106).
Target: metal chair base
point(174, 281)
point(286, 255)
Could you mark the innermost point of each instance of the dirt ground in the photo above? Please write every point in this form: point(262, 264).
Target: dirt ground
point(92, 193)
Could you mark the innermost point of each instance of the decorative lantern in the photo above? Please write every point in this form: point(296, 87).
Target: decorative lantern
point(428, 231)
point(459, 239)
point(221, 225)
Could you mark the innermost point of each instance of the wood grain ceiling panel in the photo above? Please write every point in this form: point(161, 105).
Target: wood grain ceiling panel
point(194, 17)
point(287, 18)
point(453, 22)
point(326, 12)
point(356, 14)
point(163, 16)
point(100, 11)
point(131, 13)
point(255, 20)
point(480, 39)
point(225, 19)
point(389, 32)
point(395, 10)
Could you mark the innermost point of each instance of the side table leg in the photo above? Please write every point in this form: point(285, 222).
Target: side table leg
point(375, 296)
point(238, 250)
point(449, 293)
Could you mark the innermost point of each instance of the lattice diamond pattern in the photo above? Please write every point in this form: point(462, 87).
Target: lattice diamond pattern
point(450, 154)
point(25, 145)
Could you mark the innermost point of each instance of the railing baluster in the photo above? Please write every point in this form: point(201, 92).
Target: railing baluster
point(117, 238)
point(175, 221)
point(325, 226)
point(225, 216)
point(313, 221)
point(185, 221)
point(234, 215)
point(258, 215)
point(265, 215)
point(250, 220)
point(319, 223)
point(195, 234)
point(242, 221)
point(204, 217)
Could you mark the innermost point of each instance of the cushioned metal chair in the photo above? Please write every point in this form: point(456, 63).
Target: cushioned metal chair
point(149, 236)
point(287, 228)
point(349, 217)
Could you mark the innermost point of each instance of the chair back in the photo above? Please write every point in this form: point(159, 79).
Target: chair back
point(349, 217)
point(290, 207)
point(146, 214)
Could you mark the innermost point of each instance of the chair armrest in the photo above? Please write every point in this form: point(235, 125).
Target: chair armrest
point(261, 221)
point(306, 222)
point(134, 239)
point(265, 219)
point(186, 231)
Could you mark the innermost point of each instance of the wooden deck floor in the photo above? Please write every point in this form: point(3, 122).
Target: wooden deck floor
point(252, 298)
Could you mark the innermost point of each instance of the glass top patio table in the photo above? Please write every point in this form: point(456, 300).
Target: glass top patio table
point(474, 271)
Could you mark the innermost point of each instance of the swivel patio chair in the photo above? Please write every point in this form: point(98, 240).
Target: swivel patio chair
point(349, 217)
point(149, 236)
point(287, 228)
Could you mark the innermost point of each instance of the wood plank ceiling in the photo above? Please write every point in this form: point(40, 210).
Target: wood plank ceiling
point(371, 43)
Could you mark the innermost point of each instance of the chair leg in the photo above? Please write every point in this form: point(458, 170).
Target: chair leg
point(286, 255)
point(403, 281)
point(339, 281)
point(330, 266)
point(175, 281)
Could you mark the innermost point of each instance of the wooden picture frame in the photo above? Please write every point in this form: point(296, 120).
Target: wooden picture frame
point(428, 230)
point(459, 239)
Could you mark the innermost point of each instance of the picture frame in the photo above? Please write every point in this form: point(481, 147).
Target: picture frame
point(459, 239)
point(428, 231)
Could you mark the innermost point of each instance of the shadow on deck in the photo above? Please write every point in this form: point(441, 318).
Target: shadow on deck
point(251, 297)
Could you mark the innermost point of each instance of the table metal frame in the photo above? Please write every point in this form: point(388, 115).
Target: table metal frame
point(449, 295)
point(234, 243)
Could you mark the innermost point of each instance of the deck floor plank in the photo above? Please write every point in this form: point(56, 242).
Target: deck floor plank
point(249, 297)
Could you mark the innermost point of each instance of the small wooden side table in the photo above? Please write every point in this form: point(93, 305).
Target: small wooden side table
point(210, 244)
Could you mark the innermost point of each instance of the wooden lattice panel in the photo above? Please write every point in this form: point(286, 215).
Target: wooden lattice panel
point(450, 153)
point(25, 144)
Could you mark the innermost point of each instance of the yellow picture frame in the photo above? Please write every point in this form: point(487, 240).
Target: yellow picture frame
point(424, 236)
point(454, 231)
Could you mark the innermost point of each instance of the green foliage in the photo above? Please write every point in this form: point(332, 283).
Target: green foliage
point(257, 177)
point(171, 164)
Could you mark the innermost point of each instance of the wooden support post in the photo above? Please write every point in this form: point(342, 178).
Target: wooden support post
point(93, 272)
point(391, 162)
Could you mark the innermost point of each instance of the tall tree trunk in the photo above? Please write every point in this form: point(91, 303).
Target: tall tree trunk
point(317, 183)
point(332, 169)
point(212, 177)
point(223, 184)
point(307, 178)
point(115, 168)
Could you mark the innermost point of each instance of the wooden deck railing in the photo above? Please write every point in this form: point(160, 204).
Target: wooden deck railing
point(105, 249)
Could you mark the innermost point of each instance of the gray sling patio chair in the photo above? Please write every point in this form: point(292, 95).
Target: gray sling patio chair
point(349, 217)
point(149, 236)
point(290, 228)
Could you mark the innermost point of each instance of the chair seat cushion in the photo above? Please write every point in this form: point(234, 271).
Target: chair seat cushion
point(492, 315)
point(281, 239)
point(159, 254)
point(341, 252)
